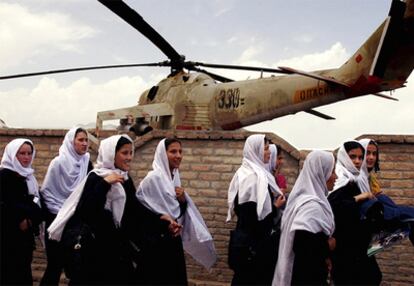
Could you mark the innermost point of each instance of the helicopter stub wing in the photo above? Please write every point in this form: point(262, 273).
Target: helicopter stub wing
point(147, 110)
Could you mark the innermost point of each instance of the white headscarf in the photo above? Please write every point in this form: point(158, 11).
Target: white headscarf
point(252, 179)
point(345, 169)
point(157, 192)
point(307, 209)
point(273, 158)
point(10, 161)
point(65, 172)
point(115, 198)
point(363, 179)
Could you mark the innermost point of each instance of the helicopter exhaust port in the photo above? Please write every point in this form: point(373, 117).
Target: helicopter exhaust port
point(140, 127)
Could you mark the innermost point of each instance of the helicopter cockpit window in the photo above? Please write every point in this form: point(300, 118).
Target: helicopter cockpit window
point(152, 92)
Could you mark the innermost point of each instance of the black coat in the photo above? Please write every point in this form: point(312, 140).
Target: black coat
point(16, 245)
point(311, 251)
point(351, 264)
point(163, 261)
point(109, 259)
point(264, 236)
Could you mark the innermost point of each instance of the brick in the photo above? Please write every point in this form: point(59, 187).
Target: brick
point(227, 177)
point(402, 184)
point(207, 193)
point(210, 176)
point(222, 168)
point(408, 175)
point(212, 160)
point(232, 160)
point(391, 175)
point(220, 185)
point(191, 159)
point(200, 167)
point(199, 184)
point(226, 151)
point(188, 175)
point(202, 151)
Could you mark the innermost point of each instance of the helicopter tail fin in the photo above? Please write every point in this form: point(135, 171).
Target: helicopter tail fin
point(386, 59)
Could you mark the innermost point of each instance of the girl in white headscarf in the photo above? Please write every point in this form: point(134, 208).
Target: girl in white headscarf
point(256, 200)
point(353, 233)
point(105, 201)
point(20, 212)
point(184, 228)
point(396, 216)
point(65, 172)
point(307, 225)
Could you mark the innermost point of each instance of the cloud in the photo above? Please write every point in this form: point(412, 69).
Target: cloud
point(37, 34)
point(51, 105)
point(333, 57)
point(249, 55)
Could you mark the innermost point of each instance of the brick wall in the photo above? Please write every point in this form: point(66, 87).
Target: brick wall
point(209, 162)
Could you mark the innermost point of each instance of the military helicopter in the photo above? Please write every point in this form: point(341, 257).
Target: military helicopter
point(192, 98)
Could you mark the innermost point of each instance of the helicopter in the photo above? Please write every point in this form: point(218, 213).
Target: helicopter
point(192, 98)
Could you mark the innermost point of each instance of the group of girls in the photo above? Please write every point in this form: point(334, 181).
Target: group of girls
point(139, 235)
point(323, 232)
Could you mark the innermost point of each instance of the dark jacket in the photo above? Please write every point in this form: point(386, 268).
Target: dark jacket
point(16, 245)
point(351, 264)
point(311, 251)
point(162, 254)
point(264, 238)
point(108, 259)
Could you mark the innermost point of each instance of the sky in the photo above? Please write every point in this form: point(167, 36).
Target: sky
point(37, 35)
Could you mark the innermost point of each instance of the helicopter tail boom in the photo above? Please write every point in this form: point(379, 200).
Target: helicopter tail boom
point(386, 59)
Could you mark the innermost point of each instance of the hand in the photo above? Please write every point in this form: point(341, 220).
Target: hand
point(174, 228)
point(280, 201)
point(364, 196)
point(114, 178)
point(379, 193)
point(25, 224)
point(179, 192)
point(328, 262)
point(332, 243)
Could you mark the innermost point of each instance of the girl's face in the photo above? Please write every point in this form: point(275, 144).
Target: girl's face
point(24, 155)
point(357, 156)
point(175, 155)
point(331, 181)
point(372, 153)
point(81, 143)
point(123, 157)
point(279, 161)
point(266, 153)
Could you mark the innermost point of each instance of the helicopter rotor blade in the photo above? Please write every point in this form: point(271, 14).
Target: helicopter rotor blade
point(166, 63)
point(237, 67)
point(213, 75)
point(135, 20)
